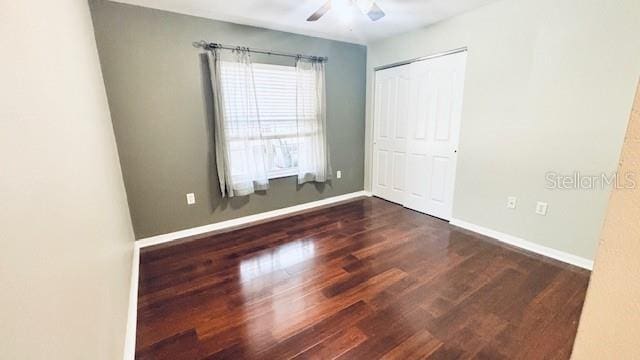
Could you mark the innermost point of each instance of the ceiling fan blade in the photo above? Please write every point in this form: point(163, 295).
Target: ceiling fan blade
point(318, 14)
point(375, 13)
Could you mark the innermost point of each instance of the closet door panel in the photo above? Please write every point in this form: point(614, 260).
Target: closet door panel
point(390, 133)
point(435, 92)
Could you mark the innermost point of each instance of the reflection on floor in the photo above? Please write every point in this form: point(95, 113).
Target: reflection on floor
point(361, 280)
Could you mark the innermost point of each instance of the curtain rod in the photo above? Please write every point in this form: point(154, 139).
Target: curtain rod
point(208, 46)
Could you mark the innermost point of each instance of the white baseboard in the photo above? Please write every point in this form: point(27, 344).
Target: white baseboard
point(130, 339)
point(527, 245)
point(247, 220)
point(132, 315)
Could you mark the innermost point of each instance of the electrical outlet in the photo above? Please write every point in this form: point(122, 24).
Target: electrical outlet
point(512, 201)
point(541, 208)
point(339, 174)
point(191, 198)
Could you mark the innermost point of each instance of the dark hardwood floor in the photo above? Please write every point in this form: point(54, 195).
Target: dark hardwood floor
point(362, 280)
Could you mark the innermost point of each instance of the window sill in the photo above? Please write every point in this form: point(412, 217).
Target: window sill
point(283, 174)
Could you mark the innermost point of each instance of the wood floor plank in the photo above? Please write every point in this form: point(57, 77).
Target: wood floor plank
point(320, 331)
point(365, 279)
point(419, 346)
point(336, 345)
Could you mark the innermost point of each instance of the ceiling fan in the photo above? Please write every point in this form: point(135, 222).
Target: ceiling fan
point(368, 7)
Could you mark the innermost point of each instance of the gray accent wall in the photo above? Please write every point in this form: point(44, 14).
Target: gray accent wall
point(159, 97)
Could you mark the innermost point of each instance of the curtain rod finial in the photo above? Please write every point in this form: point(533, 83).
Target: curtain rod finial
point(201, 44)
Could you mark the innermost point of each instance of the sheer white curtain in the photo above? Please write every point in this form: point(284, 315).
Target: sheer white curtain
point(313, 153)
point(240, 149)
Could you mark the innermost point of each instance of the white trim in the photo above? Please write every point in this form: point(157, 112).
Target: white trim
point(130, 337)
point(132, 315)
point(527, 245)
point(246, 220)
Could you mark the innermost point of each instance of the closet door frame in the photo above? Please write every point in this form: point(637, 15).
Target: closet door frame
point(373, 167)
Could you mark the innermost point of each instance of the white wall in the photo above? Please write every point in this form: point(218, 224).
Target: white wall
point(549, 86)
point(65, 235)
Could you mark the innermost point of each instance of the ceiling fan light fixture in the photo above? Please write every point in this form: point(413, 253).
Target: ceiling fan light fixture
point(375, 13)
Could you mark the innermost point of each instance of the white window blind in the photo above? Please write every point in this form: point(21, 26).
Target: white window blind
point(275, 87)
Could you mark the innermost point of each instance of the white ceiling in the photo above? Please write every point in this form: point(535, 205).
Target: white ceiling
point(343, 22)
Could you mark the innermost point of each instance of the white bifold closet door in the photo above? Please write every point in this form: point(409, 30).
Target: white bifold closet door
point(428, 143)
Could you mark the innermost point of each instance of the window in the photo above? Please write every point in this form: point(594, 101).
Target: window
point(275, 87)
